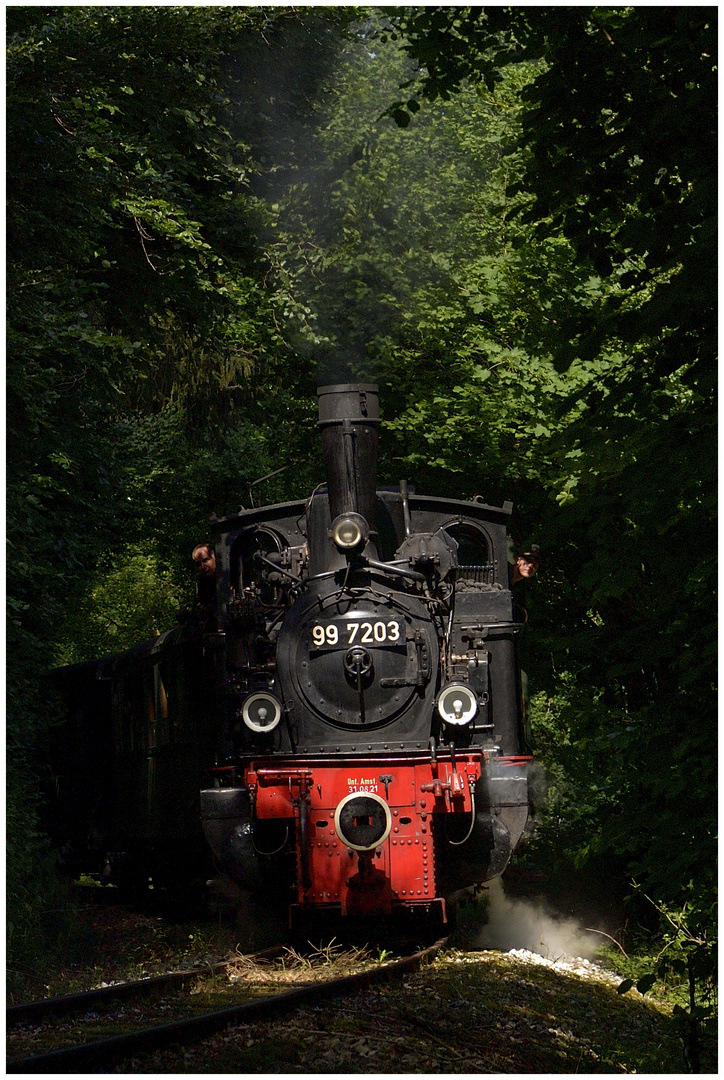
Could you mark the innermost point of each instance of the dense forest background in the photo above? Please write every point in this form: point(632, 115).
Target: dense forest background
point(506, 217)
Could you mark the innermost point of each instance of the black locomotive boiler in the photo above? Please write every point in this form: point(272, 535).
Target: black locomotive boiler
point(367, 687)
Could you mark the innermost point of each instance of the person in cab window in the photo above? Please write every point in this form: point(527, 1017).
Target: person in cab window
point(205, 562)
point(526, 566)
point(522, 569)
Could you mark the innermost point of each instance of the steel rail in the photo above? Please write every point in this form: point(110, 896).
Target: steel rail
point(91, 1057)
point(33, 1011)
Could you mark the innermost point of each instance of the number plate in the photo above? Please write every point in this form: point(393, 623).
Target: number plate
point(343, 633)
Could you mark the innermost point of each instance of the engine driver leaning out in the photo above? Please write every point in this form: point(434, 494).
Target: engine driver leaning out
point(205, 563)
point(525, 567)
point(205, 560)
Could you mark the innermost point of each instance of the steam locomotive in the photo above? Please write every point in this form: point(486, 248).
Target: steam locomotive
point(351, 696)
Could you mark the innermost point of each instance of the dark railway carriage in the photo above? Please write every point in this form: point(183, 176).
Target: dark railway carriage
point(79, 761)
point(141, 729)
point(165, 732)
point(366, 660)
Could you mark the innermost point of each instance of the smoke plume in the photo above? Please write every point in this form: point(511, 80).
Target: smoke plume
point(527, 924)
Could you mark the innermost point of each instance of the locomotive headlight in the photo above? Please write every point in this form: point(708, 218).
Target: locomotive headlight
point(350, 532)
point(457, 704)
point(261, 712)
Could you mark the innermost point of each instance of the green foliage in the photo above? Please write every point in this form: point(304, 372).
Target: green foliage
point(397, 261)
point(136, 242)
point(621, 119)
point(130, 602)
point(686, 963)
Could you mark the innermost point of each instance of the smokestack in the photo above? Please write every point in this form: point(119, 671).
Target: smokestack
point(349, 416)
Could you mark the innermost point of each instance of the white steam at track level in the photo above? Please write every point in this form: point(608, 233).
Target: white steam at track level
point(526, 924)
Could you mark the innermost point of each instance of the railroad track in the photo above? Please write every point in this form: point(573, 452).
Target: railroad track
point(36, 1011)
point(93, 1056)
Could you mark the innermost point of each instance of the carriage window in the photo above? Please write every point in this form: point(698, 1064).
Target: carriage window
point(475, 563)
point(130, 713)
point(149, 701)
point(162, 686)
point(138, 709)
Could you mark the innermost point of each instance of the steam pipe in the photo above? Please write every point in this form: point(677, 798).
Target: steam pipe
point(405, 507)
point(390, 568)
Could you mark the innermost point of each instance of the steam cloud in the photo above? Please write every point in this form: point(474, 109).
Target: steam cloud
point(526, 924)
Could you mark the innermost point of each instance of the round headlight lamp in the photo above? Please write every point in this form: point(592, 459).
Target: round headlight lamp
point(350, 533)
point(457, 704)
point(261, 712)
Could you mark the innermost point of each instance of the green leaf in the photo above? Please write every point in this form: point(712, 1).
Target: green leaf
point(645, 984)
